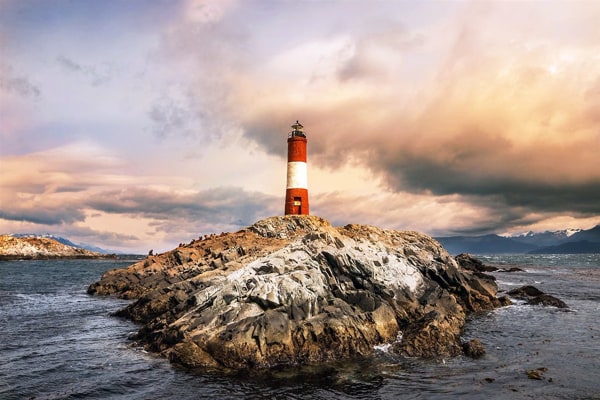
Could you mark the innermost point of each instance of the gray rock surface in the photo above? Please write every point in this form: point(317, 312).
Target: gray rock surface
point(295, 290)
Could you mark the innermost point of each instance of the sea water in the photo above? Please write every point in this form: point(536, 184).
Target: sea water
point(57, 342)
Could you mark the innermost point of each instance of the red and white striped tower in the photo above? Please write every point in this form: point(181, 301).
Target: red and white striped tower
point(296, 191)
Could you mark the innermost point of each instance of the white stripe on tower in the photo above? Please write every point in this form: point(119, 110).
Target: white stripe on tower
point(296, 175)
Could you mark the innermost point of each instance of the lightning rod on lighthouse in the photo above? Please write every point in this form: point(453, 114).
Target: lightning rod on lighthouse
point(296, 192)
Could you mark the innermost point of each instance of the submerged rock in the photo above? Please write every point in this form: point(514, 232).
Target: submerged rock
point(537, 374)
point(474, 348)
point(511, 269)
point(295, 290)
point(534, 296)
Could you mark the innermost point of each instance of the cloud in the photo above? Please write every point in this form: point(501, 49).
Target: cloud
point(403, 211)
point(42, 215)
point(492, 117)
point(95, 177)
point(233, 206)
point(201, 49)
point(97, 75)
point(44, 187)
point(17, 84)
point(442, 117)
point(172, 116)
point(81, 186)
point(112, 240)
point(179, 111)
point(206, 11)
point(507, 121)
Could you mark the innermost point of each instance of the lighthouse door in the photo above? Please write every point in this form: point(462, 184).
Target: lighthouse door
point(298, 205)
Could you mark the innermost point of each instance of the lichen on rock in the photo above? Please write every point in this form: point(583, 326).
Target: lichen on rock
point(295, 290)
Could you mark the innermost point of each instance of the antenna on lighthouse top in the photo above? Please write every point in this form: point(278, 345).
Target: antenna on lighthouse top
point(297, 130)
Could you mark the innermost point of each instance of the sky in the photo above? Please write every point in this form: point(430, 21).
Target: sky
point(141, 124)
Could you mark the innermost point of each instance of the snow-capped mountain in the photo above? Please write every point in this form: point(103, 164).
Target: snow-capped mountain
point(547, 238)
point(565, 241)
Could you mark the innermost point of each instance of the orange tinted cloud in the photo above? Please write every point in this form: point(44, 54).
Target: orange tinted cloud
point(499, 111)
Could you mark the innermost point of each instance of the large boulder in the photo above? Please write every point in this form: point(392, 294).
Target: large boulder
point(294, 290)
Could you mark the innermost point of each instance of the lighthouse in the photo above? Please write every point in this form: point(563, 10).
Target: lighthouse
point(296, 190)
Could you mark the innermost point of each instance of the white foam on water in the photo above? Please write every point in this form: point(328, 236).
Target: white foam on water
point(385, 347)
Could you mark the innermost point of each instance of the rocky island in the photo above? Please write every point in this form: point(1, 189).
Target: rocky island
point(295, 290)
point(40, 248)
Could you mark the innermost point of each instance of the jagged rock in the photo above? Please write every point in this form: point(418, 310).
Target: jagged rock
point(471, 263)
point(547, 300)
point(294, 290)
point(534, 296)
point(526, 292)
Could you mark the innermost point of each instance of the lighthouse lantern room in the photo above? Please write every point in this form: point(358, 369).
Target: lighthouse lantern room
point(296, 192)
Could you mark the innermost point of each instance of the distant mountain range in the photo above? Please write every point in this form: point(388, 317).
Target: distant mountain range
point(569, 241)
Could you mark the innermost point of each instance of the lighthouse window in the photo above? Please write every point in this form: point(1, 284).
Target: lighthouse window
point(297, 201)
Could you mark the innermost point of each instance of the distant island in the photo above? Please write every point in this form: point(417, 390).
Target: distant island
point(33, 247)
point(569, 241)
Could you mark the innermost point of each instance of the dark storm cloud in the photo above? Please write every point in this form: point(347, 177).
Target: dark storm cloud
point(220, 205)
point(536, 179)
point(521, 142)
point(490, 169)
point(44, 215)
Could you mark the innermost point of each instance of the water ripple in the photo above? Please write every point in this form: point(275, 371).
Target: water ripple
point(59, 343)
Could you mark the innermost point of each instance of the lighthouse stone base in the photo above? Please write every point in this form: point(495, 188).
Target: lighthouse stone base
point(294, 290)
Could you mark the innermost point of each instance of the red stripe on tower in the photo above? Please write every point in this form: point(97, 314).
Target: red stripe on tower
point(296, 191)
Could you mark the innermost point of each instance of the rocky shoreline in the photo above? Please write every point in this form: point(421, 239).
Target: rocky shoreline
point(42, 248)
point(294, 290)
point(54, 257)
